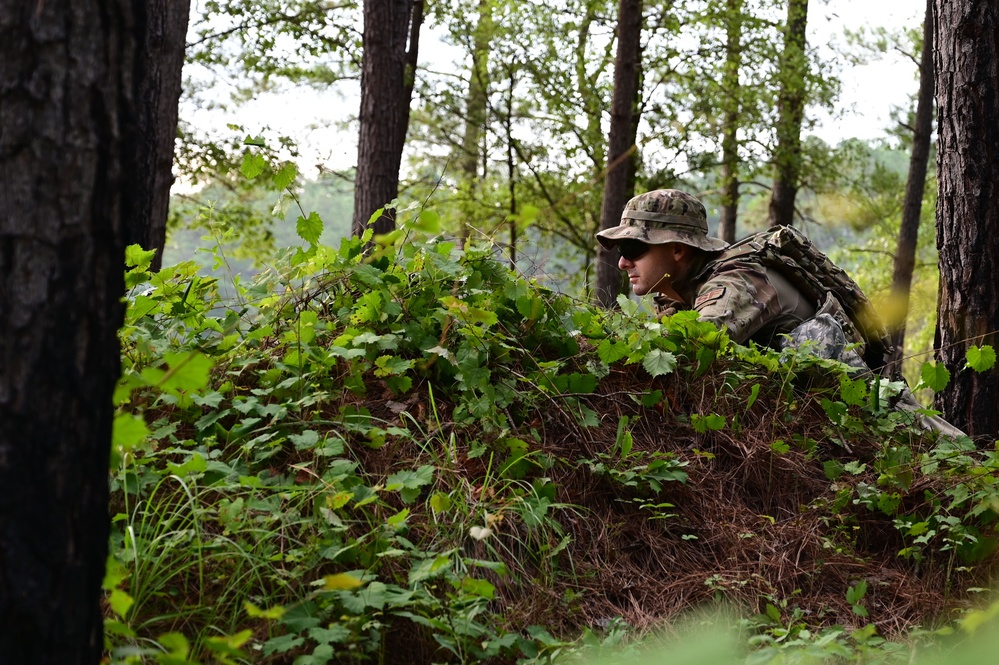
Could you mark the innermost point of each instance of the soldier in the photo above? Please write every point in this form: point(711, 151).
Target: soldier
point(665, 249)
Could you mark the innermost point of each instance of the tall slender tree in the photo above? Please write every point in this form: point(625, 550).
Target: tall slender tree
point(619, 179)
point(730, 121)
point(162, 28)
point(72, 77)
point(792, 73)
point(388, 72)
point(912, 206)
point(476, 112)
point(966, 63)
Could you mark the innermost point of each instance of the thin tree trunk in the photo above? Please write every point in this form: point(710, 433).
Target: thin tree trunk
point(620, 153)
point(791, 112)
point(511, 167)
point(966, 38)
point(161, 31)
point(905, 254)
point(388, 73)
point(476, 109)
point(70, 90)
point(730, 128)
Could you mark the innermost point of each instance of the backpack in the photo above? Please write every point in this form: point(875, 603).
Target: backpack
point(787, 250)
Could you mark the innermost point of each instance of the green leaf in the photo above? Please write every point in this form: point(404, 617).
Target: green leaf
point(254, 612)
point(228, 645)
point(857, 592)
point(253, 165)
point(658, 362)
point(440, 502)
point(833, 469)
point(306, 440)
point(980, 359)
point(780, 447)
point(582, 383)
point(282, 644)
point(310, 229)
point(120, 602)
point(610, 351)
point(836, 411)
point(341, 582)
point(128, 431)
point(477, 587)
point(390, 365)
point(428, 568)
point(856, 467)
point(702, 424)
point(428, 222)
point(136, 257)
point(286, 175)
point(650, 399)
point(409, 482)
point(934, 376)
point(176, 644)
point(853, 392)
point(753, 394)
point(196, 464)
point(187, 371)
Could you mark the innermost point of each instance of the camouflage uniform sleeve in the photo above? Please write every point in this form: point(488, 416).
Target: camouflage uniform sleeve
point(741, 299)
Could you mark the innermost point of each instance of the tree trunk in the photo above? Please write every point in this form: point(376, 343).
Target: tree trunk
point(161, 30)
point(621, 143)
point(388, 72)
point(730, 127)
point(71, 77)
point(905, 254)
point(511, 168)
point(476, 110)
point(966, 36)
point(793, 68)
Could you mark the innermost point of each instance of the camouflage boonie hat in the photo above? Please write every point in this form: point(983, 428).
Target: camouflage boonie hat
point(662, 216)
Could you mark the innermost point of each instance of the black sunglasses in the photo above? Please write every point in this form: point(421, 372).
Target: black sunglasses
point(632, 249)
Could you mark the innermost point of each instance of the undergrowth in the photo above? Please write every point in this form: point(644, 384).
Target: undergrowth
point(412, 455)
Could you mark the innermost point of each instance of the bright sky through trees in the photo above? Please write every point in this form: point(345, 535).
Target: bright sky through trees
point(317, 118)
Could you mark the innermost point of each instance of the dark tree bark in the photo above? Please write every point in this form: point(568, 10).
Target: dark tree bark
point(161, 28)
point(619, 184)
point(388, 71)
point(966, 60)
point(792, 70)
point(905, 254)
point(69, 131)
point(730, 126)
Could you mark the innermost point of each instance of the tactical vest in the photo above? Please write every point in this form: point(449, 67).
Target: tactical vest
point(787, 250)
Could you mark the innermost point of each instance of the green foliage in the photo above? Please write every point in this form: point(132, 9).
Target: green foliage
point(354, 445)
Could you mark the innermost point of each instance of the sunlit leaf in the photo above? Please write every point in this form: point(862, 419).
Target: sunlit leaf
point(310, 228)
point(253, 165)
point(980, 359)
point(934, 376)
point(341, 581)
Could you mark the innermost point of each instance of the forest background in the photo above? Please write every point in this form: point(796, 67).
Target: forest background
point(540, 151)
point(360, 442)
point(519, 151)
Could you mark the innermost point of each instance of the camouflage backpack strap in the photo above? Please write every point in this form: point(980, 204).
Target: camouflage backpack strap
point(794, 255)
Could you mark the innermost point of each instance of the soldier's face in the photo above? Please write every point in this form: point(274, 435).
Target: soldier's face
point(652, 271)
